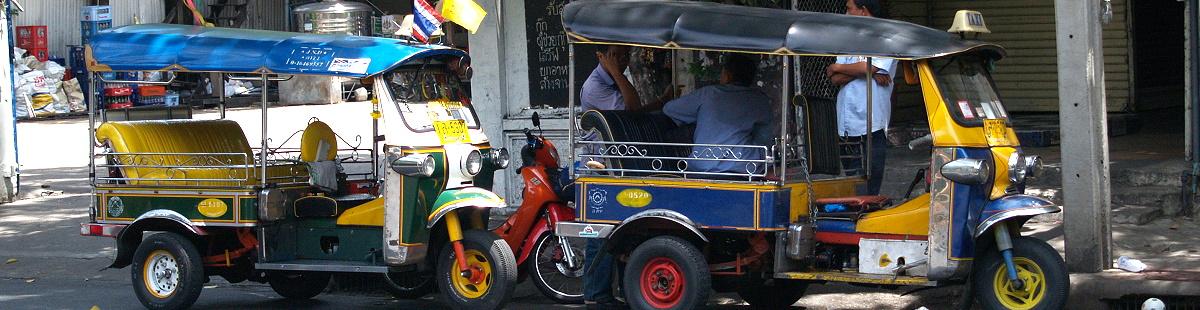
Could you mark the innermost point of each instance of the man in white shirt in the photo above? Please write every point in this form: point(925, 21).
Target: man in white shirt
point(850, 72)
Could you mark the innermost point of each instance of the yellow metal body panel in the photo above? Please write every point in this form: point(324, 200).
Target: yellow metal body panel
point(310, 142)
point(947, 132)
point(1001, 182)
point(853, 277)
point(367, 214)
point(909, 218)
point(179, 138)
point(824, 189)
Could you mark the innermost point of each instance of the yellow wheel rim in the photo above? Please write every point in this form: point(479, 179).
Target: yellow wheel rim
point(160, 274)
point(464, 286)
point(1026, 297)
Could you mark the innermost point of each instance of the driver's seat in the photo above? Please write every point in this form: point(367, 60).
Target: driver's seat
point(318, 148)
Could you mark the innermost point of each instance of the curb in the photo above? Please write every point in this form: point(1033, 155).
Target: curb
point(1089, 290)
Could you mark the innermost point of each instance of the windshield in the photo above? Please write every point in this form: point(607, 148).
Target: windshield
point(967, 89)
point(425, 94)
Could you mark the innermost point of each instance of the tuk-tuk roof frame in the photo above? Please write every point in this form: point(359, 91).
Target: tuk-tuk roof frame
point(691, 25)
point(184, 48)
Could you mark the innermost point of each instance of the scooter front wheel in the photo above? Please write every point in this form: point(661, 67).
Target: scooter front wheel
point(552, 274)
point(491, 275)
point(1044, 281)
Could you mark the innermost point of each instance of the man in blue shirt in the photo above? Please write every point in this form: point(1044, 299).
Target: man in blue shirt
point(608, 89)
point(850, 72)
point(730, 113)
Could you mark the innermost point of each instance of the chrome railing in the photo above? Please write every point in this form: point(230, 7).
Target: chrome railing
point(182, 169)
point(751, 162)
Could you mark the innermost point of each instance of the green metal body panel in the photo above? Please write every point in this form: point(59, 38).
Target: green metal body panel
point(315, 238)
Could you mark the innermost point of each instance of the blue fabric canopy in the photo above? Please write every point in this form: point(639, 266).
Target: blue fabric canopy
point(155, 47)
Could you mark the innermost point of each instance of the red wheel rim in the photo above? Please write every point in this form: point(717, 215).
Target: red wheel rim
point(662, 283)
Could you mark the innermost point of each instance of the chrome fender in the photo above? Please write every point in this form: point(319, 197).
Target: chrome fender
point(154, 220)
point(455, 199)
point(657, 218)
point(1015, 207)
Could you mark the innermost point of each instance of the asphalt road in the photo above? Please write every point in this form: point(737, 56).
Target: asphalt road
point(45, 264)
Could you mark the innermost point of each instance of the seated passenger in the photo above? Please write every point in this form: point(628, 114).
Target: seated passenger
point(731, 113)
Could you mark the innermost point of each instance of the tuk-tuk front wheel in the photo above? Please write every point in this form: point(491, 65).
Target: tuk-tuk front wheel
point(1044, 281)
point(666, 272)
point(167, 272)
point(491, 276)
point(298, 285)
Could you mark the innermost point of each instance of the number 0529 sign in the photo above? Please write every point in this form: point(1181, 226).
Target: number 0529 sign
point(452, 131)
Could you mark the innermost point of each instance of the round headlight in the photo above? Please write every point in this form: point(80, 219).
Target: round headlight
point(500, 158)
point(472, 164)
point(1016, 168)
point(429, 166)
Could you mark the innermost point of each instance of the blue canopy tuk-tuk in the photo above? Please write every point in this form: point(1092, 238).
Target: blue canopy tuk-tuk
point(791, 217)
point(188, 199)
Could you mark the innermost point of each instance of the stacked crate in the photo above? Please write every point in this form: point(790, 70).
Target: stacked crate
point(78, 67)
point(151, 95)
point(93, 19)
point(35, 40)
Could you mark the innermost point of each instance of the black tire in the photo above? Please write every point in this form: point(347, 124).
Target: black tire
point(678, 269)
point(779, 294)
point(1028, 253)
point(174, 263)
point(298, 285)
point(550, 275)
point(408, 285)
point(485, 248)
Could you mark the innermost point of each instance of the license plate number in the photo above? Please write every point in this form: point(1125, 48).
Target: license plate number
point(996, 131)
point(452, 131)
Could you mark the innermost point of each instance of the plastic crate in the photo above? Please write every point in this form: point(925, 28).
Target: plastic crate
point(118, 92)
point(152, 90)
point(32, 37)
point(87, 29)
point(95, 13)
point(171, 99)
point(40, 53)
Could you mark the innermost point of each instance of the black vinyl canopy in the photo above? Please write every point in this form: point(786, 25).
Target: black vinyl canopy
point(713, 26)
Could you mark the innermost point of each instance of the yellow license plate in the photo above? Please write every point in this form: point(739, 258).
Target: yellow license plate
point(452, 131)
point(996, 131)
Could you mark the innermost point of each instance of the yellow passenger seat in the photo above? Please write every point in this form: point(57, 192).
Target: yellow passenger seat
point(190, 146)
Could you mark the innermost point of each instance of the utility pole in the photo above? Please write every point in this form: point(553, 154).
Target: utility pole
point(8, 121)
point(1084, 134)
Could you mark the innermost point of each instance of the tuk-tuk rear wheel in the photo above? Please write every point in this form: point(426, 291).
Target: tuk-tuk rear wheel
point(486, 253)
point(298, 285)
point(1041, 269)
point(167, 272)
point(667, 272)
point(779, 294)
point(408, 285)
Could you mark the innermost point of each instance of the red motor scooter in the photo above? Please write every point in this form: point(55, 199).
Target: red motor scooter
point(554, 263)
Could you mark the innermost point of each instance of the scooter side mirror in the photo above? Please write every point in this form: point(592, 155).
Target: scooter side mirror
point(537, 120)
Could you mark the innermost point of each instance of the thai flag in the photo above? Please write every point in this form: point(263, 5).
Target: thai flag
point(426, 20)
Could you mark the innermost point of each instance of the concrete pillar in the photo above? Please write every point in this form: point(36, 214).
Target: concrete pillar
point(1084, 134)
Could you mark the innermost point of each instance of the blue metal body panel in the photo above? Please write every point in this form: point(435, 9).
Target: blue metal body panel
point(836, 226)
point(969, 202)
point(1013, 202)
point(713, 208)
point(192, 48)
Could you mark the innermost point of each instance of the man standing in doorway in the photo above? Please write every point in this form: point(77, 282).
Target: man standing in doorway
point(850, 72)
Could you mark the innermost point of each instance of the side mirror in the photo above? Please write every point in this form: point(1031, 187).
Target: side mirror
point(537, 120)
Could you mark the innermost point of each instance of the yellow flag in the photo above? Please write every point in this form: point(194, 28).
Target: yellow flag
point(466, 13)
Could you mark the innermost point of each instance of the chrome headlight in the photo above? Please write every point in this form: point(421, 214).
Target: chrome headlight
point(500, 158)
point(1016, 168)
point(472, 164)
point(967, 171)
point(416, 165)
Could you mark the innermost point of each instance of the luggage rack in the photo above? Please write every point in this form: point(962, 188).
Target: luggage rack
point(659, 159)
